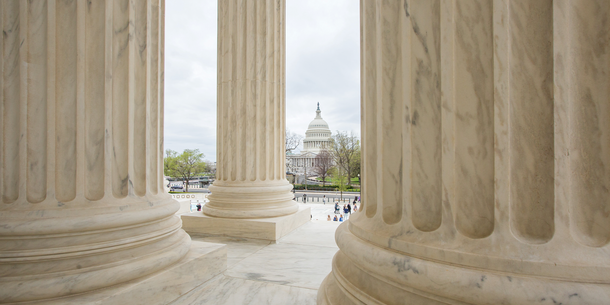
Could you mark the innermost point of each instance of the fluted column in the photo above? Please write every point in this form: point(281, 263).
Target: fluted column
point(251, 174)
point(82, 202)
point(486, 155)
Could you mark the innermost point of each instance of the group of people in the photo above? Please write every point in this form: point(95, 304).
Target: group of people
point(335, 218)
point(347, 210)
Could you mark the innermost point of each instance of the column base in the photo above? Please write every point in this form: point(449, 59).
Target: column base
point(367, 274)
point(262, 228)
point(250, 200)
point(202, 263)
point(76, 255)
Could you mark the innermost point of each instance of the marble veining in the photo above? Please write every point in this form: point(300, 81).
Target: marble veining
point(225, 290)
point(587, 69)
point(286, 264)
point(12, 116)
point(423, 105)
point(531, 120)
point(473, 98)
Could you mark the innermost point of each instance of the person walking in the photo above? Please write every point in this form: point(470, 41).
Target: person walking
point(324, 199)
point(349, 209)
point(345, 211)
point(336, 207)
point(304, 198)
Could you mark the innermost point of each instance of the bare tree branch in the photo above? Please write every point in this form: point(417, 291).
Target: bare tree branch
point(293, 141)
point(344, 149)
point(322, 165)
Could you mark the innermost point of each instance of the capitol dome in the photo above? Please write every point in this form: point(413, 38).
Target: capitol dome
point(318, 122)
point(317, 136)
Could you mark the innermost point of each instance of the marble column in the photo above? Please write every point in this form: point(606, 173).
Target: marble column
point(486, 155)
point(82, 202)
point(251, 174)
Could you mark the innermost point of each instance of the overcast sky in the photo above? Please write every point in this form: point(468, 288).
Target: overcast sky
point(322, 65)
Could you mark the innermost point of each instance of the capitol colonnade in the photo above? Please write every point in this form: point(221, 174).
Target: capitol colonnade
point(83, 206)
point(498, 190)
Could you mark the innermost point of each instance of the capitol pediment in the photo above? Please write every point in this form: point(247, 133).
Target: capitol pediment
point(308, 155)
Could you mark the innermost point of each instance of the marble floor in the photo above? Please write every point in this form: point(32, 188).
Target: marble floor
point(288, 271)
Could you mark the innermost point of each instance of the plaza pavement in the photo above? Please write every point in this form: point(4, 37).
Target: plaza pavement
point(288, 271)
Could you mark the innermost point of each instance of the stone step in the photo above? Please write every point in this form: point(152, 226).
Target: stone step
point(203, 262)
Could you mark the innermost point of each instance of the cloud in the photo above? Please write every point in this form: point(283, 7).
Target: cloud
point(322, 65)
point(190, 76)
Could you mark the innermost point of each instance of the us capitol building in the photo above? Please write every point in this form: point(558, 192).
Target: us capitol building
point(316, 139)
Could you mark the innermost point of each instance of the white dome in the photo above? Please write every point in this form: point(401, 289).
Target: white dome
point(318, 123)
point(318, 134)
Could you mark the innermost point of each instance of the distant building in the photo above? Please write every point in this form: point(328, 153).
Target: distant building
point(317, 137)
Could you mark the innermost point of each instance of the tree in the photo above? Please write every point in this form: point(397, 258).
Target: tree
point(355, 165)
point(169, 162)
point(290, 165)
point(344, 149)
point(322, 165)
point(293, 141)
point(210, 168)
point(186, 165)
point(341, 178)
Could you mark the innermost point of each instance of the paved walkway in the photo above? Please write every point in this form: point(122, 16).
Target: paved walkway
point(262, 272)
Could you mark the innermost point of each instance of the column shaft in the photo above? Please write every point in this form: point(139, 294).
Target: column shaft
point(485, 155)
point(81, 206)
point(251, 176)
point(582, 69)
